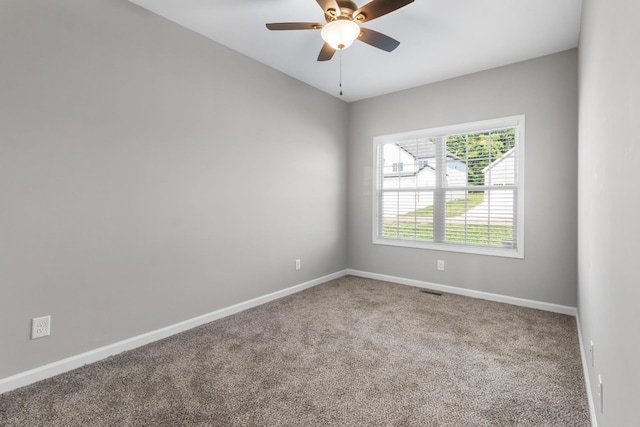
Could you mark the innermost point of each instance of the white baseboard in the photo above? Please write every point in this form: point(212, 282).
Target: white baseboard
point(37, 374)
point(555, 308)
point(585, 372)
point(40, 373)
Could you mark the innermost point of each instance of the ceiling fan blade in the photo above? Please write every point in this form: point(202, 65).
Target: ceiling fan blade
point(378, 40)
point(295, 26)
point(326, 53)
point(327, 5)
point(378, 8)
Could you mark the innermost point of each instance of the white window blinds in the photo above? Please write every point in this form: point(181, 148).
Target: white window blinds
point(460, 188)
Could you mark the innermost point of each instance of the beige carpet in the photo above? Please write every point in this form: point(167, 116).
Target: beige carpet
point(349, 352)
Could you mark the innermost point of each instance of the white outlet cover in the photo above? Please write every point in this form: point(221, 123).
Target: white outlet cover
point(601, 393)
point(40, 327)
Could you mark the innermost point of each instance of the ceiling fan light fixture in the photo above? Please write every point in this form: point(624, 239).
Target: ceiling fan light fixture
point(339, 34)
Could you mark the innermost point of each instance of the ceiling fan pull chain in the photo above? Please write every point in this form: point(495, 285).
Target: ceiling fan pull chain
point(340, 72)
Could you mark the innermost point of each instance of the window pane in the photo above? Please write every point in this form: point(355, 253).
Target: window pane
point(456, 174)
point(478, 157)
point(424, 215)
point(460, 209)
point(502, 171)
point(480, 217)
point(501, 207)
point(391, 158)
point(399, 215)
point(389, 217)
point(409, 164)
point(408, 215)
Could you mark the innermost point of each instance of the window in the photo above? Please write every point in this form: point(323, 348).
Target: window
point(461, 188)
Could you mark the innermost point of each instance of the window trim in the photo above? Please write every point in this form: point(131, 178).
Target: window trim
point(517, 120)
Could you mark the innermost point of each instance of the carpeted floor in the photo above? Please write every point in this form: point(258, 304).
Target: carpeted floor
point(350, 352)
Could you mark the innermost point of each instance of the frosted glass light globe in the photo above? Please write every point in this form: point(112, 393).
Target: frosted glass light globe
point(340, 33)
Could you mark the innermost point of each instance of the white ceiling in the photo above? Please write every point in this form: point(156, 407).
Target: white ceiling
point(439, 39)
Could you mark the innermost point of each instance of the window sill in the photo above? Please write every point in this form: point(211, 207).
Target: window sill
point(452, 247)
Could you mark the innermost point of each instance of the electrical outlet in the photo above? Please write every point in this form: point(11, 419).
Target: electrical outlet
point(591, 353)
point(40, 327)
point(440, 265)
point(298, 264)
point(601, 393)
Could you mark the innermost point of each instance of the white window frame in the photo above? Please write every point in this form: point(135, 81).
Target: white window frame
point(478, 126)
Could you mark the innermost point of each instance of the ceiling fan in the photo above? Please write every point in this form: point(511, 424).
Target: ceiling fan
point(341, 29)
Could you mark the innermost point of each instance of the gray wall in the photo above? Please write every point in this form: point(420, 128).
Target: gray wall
point(545, 90)
point(149, 175)
point(609, 230)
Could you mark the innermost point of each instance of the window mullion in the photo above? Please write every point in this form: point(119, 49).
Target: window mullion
point(439, 193)
point(466, 160)
point(380, 191)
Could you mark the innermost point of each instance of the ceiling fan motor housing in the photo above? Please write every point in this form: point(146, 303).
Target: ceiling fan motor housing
point(347, 9)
